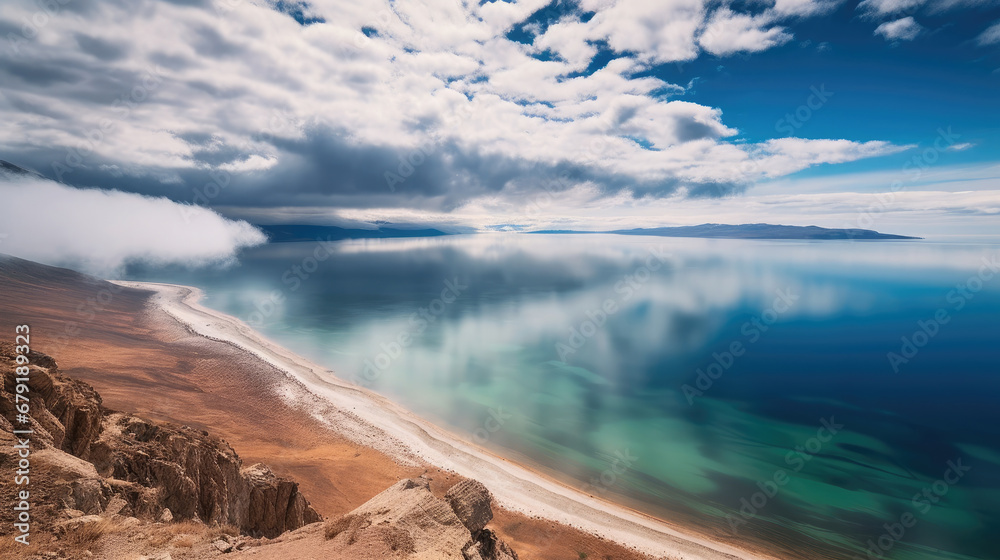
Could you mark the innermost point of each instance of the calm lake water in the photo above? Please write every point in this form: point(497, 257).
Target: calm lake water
point(826, 397)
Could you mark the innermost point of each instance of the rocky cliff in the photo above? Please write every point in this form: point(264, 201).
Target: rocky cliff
point(94, 460)
point(408, 521)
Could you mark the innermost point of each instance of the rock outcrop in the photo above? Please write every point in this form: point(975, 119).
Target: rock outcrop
point(408, 521)
point(104, 459)
point(71, 413)
point(470, 501)
point(488, 546)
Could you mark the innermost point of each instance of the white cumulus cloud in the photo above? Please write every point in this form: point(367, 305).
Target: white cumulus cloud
point(903, 29)
point(316, 115)
point(729, 32)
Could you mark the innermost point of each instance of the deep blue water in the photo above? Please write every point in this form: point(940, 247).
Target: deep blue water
point(581, 353)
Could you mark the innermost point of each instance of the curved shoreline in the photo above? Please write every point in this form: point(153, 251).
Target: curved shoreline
point(372, 420)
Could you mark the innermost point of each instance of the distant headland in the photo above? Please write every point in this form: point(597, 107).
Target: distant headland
point(751, 231)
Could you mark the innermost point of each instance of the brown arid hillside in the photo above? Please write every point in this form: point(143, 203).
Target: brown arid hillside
point(94, 471)
point(99, 479)
point(155, 382)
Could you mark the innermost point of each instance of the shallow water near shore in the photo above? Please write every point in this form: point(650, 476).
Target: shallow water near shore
point(822, 397)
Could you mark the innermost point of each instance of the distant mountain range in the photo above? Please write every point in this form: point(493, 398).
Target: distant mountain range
point(286, 233)
point(6, 166)
point(289, 232)
point(751, 231)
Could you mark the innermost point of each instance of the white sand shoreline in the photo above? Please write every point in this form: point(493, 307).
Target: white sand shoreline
point(372, 420)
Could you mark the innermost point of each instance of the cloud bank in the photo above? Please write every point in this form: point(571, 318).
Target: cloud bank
point(101, 231)
point(371, 103)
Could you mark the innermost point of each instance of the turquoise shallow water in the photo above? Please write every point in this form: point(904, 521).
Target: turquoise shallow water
point(834, 399)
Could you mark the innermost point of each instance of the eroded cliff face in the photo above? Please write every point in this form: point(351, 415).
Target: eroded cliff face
point(408, 521)
point(95, 461)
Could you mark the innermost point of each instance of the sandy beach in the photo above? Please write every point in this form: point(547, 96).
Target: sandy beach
point(373, 421)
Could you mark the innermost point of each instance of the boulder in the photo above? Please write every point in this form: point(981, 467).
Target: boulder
point(89, 495)
point(222, 546)
point(436, 533)
point(470, 501)
point(408, 519)
point(76, 523)
point(488, 546)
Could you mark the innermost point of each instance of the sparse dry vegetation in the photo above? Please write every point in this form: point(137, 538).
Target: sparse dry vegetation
point(159, 539)
point(86, 534)
point(185, 541)
point(217, 531)
point(186, 534)
point(185, 528)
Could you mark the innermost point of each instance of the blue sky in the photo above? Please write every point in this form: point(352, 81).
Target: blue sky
point(596, 114)
point(901, 91)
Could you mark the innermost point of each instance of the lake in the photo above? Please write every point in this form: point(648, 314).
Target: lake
point(833, 399)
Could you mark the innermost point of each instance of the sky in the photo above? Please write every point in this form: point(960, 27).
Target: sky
point(487, 116)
